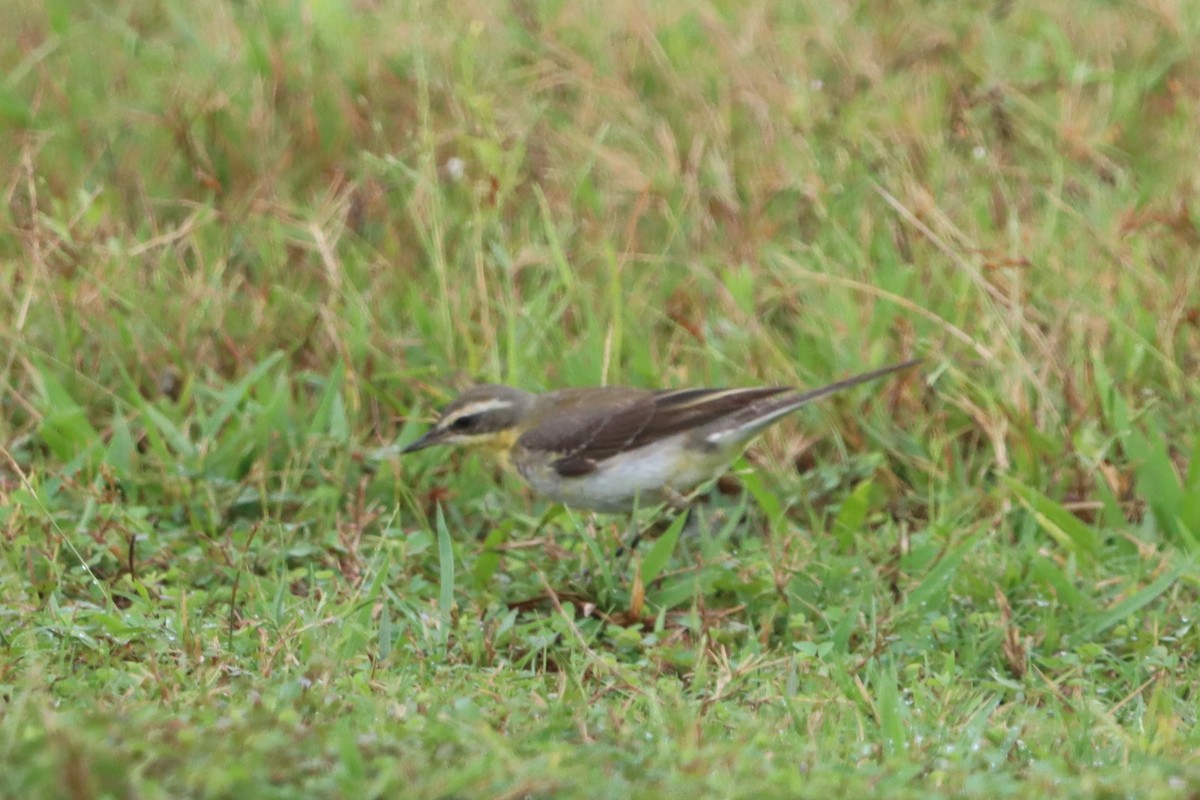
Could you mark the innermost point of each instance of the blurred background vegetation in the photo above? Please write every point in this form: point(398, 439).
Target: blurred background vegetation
point(248, 246)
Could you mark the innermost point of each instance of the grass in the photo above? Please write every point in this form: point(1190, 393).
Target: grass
point(249, 247)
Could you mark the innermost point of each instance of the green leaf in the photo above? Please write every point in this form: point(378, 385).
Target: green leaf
point(1155, 475)
point(446, 566)
point(1063, 526)
point(64, 426)
point(1133, 603)
point(845, 627)
point(1111, 404)
point(235, 395)
point(851, 515)
point(1189, 512)
point(890, 709)
point(680, 589)
point(15, 110)
point(767, 500)
point(175, 438)
point(1050, 574)
point(935, 581)
point(488, 561)
point(385, 631)
point(330, 416)
point(656, 560)
point(121, 446)
point(379, 580)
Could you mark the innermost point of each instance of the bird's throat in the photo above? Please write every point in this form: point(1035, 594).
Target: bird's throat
point(498, 446)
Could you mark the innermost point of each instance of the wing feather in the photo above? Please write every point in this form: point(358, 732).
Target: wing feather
point(584, 432)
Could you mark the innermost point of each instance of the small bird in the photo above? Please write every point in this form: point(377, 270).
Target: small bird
point(613, 448)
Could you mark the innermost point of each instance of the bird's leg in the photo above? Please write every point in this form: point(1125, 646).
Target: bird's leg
point(674, 500)
point(635, 536)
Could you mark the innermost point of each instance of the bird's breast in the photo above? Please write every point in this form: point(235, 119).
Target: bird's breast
point(627, 479)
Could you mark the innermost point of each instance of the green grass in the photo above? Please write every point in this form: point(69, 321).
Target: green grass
point(247, 249)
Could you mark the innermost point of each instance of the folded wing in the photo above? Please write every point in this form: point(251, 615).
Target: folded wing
point(584, 432)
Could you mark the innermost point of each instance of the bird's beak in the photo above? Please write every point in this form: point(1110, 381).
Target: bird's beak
point(432, 436)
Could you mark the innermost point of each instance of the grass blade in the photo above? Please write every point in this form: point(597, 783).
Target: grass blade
point(1063, 526)
point(1133, 603)
point(656, 560)
point(446, 566)
point(235, 395)
point(852, 515)
point(935, 581)
point(1189, 515)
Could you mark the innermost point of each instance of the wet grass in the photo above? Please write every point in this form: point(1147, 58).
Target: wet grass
point(249, 247)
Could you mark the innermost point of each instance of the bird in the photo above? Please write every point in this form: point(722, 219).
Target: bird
point(612, 449)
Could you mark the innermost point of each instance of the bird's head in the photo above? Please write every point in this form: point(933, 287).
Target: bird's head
point(489, 416)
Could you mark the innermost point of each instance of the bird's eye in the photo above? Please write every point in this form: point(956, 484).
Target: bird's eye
point(463, 423)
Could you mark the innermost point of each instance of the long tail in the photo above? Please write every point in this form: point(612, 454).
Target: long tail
point(816, 394)
point(755, 417)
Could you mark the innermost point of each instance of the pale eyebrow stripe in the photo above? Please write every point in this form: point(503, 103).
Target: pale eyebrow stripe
point(478, 407)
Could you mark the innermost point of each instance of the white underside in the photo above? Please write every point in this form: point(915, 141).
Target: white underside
point(635, 478)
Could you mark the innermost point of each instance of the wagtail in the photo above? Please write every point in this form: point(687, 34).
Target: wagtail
point(613, 448)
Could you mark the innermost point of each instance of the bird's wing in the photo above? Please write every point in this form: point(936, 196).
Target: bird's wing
point(583, 435)
point(582, 432)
